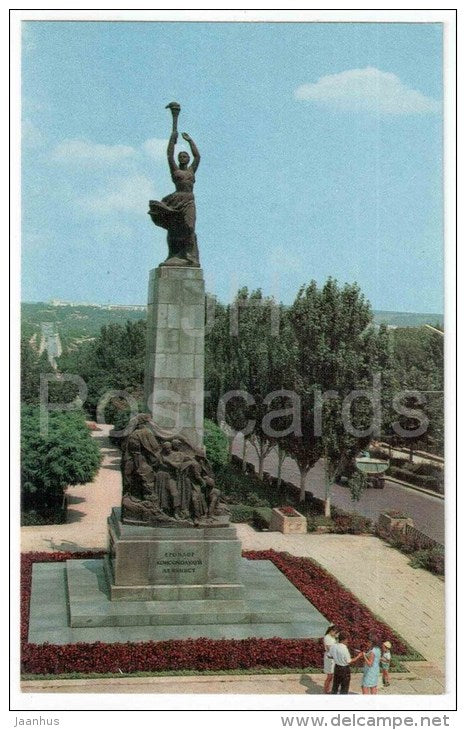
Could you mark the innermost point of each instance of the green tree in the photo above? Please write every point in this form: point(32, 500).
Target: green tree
point(114, 360)
point(216, 444)
point(337, 355)
point(217, 353)
point(66, 455)
point(419, 366)
point(33, 365)
point(256, 353)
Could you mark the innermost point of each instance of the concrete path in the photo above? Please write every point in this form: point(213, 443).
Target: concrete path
point(424, 678)
point(409, 600)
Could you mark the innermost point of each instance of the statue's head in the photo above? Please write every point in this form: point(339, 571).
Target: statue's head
point(183, 159)
point(176, 444)
point(166, 447)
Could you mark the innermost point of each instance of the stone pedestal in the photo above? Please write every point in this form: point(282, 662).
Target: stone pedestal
point(163, 577)
point(172, 563)
point(174, 373)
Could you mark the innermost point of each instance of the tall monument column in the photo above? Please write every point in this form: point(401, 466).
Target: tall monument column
point(174, 374)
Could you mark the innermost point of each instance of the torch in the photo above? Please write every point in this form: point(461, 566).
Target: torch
point(175, 110)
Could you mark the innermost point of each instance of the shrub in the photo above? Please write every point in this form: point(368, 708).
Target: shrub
point(315, 521)
point(351, 525)
point(120, 421)
point(432, 559)
point(422, 474)
point(216, 445)
point(66, 455)
point(255, 501)
point(261, 518)
point(408, 543)
point(53, 516)
point(247, 488)
point(421, 480)
point(241, 513)
point(121, 418)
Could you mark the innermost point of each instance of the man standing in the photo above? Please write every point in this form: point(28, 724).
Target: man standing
point(342, 658)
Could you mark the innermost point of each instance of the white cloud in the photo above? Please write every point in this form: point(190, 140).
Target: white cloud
point(156, 148)
point(91, 154)
point(367, 90)
point(130, 194)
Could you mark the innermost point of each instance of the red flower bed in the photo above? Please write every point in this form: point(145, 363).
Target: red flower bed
point(289, 511)
point(327, 595)
point(337, 604)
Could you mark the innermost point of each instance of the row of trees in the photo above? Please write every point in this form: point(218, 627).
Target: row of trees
point(283, 358)
point(266, 365)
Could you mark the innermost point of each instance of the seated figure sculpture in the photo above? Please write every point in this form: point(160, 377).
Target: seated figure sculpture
point(167, 481)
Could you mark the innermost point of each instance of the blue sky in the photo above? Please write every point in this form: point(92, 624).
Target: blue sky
point(321, 147)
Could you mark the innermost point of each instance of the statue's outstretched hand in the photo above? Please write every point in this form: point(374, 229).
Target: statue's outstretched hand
point(186, 136)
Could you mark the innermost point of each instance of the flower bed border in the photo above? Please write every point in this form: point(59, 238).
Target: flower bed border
point(319, 587)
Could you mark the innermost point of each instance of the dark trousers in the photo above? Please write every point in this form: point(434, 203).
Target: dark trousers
point(341, 680)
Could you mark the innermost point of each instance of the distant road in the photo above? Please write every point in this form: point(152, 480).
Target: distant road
point(418, 458)
point(427, 511)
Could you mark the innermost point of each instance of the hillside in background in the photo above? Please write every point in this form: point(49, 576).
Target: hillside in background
point(82, 321)
point(408, 319)
point(74, 323)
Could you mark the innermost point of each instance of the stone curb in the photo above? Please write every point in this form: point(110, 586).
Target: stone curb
point(416, 488)
point(118, 682)
point(198, 678)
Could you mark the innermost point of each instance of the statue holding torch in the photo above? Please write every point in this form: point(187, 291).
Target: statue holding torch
point(177, 211)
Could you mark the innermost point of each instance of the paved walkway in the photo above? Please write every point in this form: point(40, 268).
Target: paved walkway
point(411, 601)
point(424, 678)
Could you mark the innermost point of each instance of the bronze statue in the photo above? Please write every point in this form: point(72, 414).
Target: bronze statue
point(167, 481)
point(177, 212)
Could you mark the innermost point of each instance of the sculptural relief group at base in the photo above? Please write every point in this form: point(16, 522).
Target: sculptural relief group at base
point(166, 480)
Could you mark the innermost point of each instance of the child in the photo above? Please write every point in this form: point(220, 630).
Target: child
point(385, 662)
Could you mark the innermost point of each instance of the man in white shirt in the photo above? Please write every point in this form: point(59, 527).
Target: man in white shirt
point(342, 658)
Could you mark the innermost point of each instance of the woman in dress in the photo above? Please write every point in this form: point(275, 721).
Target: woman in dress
point(177, 212)
point(329, 639)
point(371, 669)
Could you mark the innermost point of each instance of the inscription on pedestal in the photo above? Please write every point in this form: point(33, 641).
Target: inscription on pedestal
point(173, 564)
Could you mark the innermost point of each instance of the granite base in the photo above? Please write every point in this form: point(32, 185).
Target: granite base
point(267, 594)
